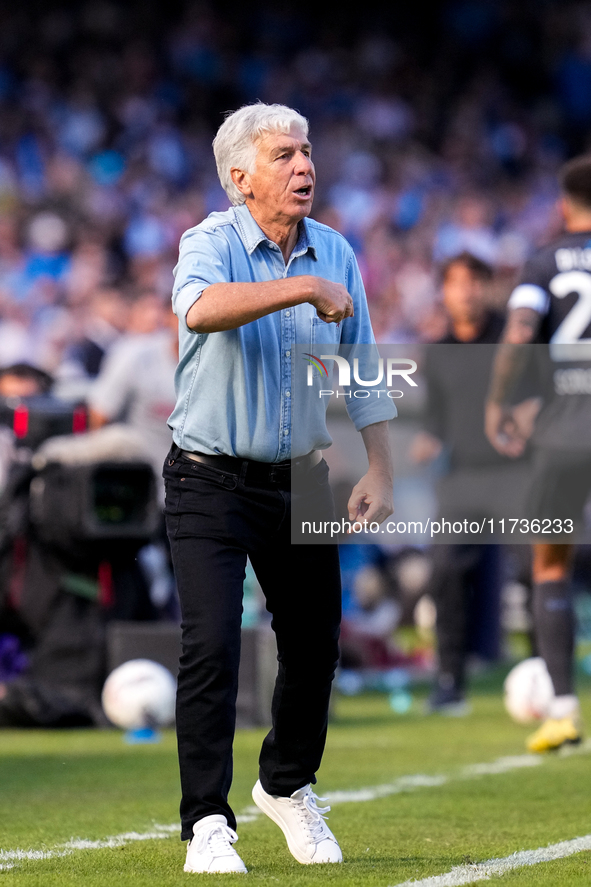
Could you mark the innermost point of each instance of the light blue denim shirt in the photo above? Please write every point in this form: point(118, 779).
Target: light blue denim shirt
point(235, 388)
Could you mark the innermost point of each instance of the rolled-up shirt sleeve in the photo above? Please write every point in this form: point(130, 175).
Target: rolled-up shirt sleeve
point(357, 330)
point(203, 260)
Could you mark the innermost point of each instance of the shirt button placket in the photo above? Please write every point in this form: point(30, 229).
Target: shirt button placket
point(288, 327)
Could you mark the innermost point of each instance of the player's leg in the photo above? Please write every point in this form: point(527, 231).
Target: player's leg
point(560, 481)
point(553, 613)
point(554, 628)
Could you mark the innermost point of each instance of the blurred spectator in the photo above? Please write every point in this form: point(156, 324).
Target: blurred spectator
point(466, 583)
point(136, 386)
point(370, 614)
point(15, 344)
point(105, 319)
point(47, 257)
point(146, 314)
point(432, 135)
point(136, 382)
point(468, 231)
point(23, 380)
point(425, 146)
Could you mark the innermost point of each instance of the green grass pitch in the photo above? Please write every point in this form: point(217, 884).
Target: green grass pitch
point(59, 786)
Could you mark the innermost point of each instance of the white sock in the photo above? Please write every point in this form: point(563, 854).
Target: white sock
point(563, 707)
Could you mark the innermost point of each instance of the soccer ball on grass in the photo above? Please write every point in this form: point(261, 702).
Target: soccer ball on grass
point(139, 694)
point(528, 691)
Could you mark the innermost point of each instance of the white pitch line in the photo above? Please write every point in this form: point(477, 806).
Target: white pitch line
point(421, 780)
point(484, 871)
point(416, 781)
point(10, 858)
point(160, 831)
point(402, 784)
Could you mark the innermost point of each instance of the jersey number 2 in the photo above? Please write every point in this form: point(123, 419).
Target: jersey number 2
point(579, 317)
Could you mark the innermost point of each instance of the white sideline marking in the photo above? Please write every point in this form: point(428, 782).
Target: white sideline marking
point(420, 780)
point(402, 784)
point(249, 814)
point(10, 858)
point(160, 831)
point(502, 765)
point(484, 871)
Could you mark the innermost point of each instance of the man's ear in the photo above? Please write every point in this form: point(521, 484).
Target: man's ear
point(242, 181)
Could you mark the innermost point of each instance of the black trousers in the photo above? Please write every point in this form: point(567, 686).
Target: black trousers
point(215, 519)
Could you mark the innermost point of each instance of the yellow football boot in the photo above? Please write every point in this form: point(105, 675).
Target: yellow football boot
point(554, 733)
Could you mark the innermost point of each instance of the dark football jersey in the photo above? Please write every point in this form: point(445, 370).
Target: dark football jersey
point(556, 282)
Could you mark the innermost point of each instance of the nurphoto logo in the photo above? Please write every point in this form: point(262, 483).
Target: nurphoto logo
point(387, 370)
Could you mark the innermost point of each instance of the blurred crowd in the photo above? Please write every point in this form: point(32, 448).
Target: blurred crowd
point(436, 130)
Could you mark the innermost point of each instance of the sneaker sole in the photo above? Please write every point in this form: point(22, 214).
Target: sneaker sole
point(262, 803)
point(189, 870)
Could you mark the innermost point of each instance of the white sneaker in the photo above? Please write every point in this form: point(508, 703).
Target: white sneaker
point(302, 822)
point(210, 849)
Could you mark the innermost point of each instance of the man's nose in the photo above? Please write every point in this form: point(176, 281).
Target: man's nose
point(303, 165)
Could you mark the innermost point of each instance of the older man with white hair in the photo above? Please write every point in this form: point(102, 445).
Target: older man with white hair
point(250, 284)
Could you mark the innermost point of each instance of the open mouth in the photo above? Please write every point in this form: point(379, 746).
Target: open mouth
point(305, 191)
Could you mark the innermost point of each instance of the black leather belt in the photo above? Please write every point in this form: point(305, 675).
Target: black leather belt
point(252, 471)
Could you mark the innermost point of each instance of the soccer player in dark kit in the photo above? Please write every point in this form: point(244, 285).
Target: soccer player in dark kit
point(552, 304)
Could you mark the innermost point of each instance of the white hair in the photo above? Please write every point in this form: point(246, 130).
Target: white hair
point(235, 144)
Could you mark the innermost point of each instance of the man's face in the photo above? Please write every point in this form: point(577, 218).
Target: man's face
point(281, 188)
point(462, 293)
point(18, 386)
point(145, 315)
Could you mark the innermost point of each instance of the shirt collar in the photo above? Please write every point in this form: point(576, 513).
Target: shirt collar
point(252, 235)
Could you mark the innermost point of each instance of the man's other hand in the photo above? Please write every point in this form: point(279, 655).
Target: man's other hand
point(371, 499)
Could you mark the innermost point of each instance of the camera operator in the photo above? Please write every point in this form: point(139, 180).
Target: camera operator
point(74, 510)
